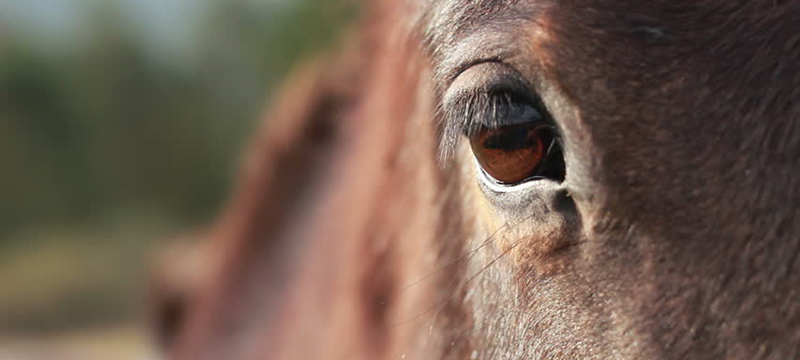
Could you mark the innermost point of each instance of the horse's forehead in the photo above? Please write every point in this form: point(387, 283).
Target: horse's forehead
point(663, 96)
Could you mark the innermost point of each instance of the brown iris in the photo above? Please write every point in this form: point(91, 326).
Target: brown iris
point(511, 153)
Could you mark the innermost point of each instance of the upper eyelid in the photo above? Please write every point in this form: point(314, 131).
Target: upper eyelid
point(457, 70)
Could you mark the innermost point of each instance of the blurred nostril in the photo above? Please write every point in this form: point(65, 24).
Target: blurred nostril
point(171, 317)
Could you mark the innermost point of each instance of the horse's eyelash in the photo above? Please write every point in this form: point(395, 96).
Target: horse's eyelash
point(471, 112)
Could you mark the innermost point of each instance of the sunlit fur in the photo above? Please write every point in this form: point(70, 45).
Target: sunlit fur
point(673, 236)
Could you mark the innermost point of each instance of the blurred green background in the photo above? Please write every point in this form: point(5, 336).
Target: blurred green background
point(120, 125)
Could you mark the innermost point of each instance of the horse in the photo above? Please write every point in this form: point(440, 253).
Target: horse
point(527, 179)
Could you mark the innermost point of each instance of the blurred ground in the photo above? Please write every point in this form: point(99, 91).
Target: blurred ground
point(120, 127)
point(97, 344)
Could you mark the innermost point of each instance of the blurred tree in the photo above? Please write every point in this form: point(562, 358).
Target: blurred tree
point(103, 146)
point(35, 142)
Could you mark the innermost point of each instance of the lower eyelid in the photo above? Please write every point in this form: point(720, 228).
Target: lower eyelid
point(495, 186)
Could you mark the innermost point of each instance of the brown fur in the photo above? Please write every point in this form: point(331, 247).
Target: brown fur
point(673, 236)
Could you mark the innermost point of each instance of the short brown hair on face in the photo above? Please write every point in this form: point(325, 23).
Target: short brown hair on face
point(670, 235)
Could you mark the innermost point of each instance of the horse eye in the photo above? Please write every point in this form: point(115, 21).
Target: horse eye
point(515, 153)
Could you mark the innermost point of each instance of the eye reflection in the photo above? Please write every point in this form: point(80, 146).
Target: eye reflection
point(512, 153)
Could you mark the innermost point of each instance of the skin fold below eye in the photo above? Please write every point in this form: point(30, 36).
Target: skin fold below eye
point(510, 154)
